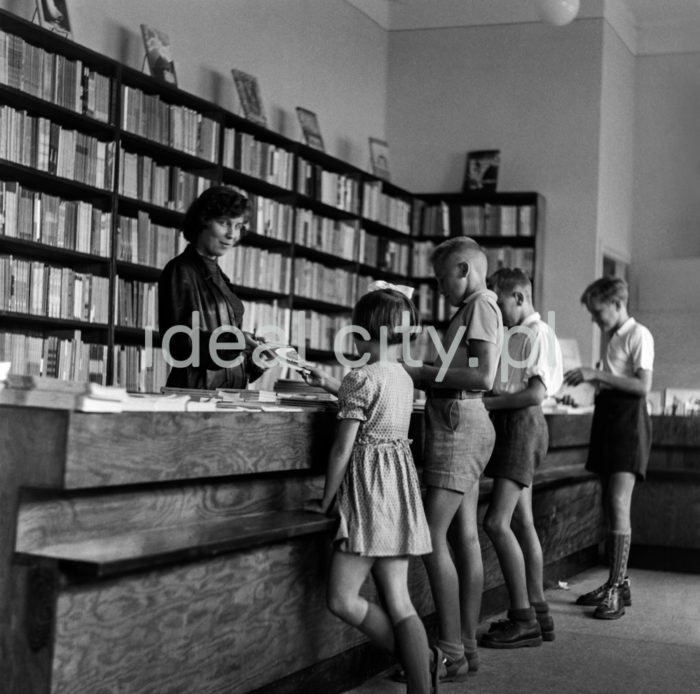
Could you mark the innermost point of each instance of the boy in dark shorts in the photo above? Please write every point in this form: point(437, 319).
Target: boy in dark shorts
point(621, 430)
point(459, 438)
point(530, 369)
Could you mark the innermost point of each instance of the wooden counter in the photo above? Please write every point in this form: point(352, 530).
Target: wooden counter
point(167, 552)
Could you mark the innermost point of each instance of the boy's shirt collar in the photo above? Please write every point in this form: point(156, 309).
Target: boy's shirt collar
point(532, 318)
point(478, 292)
point(625, 327)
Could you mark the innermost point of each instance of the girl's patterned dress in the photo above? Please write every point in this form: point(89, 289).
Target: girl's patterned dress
point(381, 510)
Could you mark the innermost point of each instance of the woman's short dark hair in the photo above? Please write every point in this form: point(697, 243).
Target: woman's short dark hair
point(606, 290)
point(386, 308)
point(218, 201)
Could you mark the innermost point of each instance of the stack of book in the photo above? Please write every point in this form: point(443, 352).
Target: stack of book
point(300, 394)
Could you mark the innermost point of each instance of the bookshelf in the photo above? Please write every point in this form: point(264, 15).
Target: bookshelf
point(98, 163)
point(508, 225)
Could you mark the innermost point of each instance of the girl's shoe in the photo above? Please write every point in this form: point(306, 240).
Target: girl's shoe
point(447, 670)
point(597, 597)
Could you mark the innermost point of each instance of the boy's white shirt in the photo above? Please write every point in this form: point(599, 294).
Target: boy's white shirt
point(631, 347)
point(533, 350)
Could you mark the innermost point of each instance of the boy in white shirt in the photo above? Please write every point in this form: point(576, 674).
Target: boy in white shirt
point(530, 368)
point(621, 430)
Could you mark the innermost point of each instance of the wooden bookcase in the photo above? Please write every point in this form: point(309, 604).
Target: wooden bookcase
point(507, 225)
point(98, 163)
point(321, 229)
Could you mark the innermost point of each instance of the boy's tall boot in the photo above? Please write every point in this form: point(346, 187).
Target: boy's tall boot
point(613, 604)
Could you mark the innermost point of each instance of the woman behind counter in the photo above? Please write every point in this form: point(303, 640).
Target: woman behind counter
point(193, 282)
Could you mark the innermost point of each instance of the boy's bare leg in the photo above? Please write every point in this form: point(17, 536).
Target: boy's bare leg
point(441, 506)
point(497, 524)
point(524, 529)
point(470, 567)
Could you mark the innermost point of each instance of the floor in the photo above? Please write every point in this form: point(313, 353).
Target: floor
point(654, 648)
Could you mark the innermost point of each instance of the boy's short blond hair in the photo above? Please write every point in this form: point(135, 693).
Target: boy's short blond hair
point(606, 290)
point(462, 246)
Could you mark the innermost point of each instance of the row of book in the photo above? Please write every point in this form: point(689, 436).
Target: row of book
point(384, 254)
point(40, 144)
point(270, 218)
point(142, 178)
point(73, 224)
point(316, 281)
point(320, 331)
point(179, 127)
point(497, 220)
point(67, 358)
point(337, 237)
point(258, 268)
point(431, 304)
point(386, 209)
point(141, 241)
point(28, 286)
point(139, 369)
point(474, 220)
point(335, 189)
point(308, 329)
point(245, 153)
point(136, 303)
point(54, 78)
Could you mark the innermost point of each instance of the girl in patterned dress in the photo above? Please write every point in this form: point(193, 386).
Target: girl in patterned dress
point(372, 477)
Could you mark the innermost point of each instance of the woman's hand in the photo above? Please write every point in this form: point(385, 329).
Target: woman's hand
point(582, 374)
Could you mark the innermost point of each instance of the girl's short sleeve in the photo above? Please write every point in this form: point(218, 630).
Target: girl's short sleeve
point(354, 396)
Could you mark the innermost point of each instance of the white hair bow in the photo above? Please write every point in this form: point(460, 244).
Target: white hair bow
point(381, 284)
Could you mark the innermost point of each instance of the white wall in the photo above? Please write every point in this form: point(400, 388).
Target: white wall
point(666, 213)
point(530, 90)
point(616, 149)
point(325, 55)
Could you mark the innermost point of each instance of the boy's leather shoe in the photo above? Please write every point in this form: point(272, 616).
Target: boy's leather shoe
point(612, 606)
point(597, 596)
point(512, 635)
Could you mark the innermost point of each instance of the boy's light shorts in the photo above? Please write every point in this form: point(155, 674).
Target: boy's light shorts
point(459, 438)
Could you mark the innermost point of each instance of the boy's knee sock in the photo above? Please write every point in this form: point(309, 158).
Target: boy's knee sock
point(540, 607)
point(412, 652)
point(619, 544)
point(377, 626)
point(527, 615)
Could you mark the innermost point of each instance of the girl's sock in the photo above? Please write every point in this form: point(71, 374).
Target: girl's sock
point(451, 651)
point(377, 626)
point(412, 651)
point(470, 650)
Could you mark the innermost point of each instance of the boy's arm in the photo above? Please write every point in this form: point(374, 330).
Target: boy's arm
point(479, 377)
point(533, 394)
point(639, 384)
point(337, 464)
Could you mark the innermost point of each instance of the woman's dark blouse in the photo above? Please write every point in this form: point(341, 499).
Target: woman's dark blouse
point(190, 282)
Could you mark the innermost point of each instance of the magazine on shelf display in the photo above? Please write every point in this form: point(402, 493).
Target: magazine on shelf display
point(249, 97)
point(310, 128)
point(159, 54)
point(53, 15)
point(379, 156)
